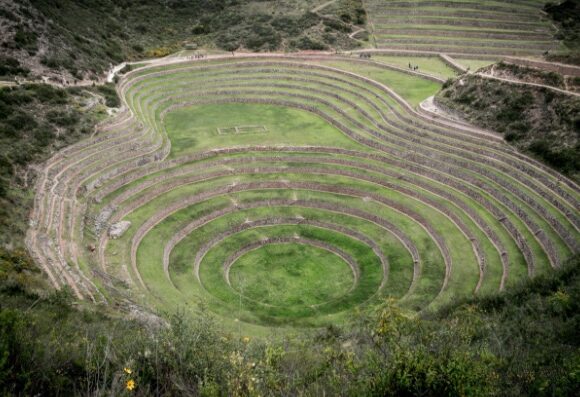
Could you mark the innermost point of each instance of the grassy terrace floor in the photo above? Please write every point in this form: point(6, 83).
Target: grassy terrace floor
point(288, 192)
point(430, 65)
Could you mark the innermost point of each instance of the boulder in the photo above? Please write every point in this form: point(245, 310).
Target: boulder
point(118, 229)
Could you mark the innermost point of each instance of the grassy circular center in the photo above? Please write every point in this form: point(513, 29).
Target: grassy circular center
point(290, 275)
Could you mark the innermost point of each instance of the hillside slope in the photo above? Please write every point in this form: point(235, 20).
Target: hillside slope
point(566, 15)
point(539, 121)
point(78, 39)
point(468, 27)
point(37, 120)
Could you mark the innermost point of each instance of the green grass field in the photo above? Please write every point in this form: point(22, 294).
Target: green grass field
point(196, 128)
point(473, 64)
point(291, 274)
point(429, 65)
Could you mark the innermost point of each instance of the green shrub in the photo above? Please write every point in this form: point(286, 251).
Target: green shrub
point(352, 11)
point(11, 67)
point(336, 25)
point(48, 94)
point(307, 43)
point(4, 13)
point(57, 62)
point(111, 98)
point(25, 39)
point(290, 25)
point(20, 121)
point(228, 42)
point(138, 48)
point(126, 69)
point(62, 118)
point(200, 29)
point(262, 38)
point(422, 373)
point(448, 83)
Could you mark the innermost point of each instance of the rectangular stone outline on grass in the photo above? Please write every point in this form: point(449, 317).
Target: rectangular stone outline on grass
point(242, 129)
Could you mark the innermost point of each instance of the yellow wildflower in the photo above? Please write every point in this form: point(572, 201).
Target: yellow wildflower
point(246, 339)
point(130, 384)
point(127, 371)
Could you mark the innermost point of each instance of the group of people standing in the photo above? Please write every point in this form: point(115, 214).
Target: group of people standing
point(197, 55)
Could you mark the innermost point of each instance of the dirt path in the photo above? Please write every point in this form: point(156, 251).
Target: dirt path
point(355, 33)
point(113, 72)
point(430, 108)
point(524, 83)
point(451, 63)
point(322, 6)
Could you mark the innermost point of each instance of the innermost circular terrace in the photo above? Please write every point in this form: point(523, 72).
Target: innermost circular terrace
point(289, 274)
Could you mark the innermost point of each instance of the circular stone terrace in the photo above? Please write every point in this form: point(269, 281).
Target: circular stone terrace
point(290, 191)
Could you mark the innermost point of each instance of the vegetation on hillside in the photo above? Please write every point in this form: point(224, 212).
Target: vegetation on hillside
point(526, 74)
point(81, 39)
point(523, 342)
point(520, 342)
point(349, 11)
point(534, 75)
point(538, 121)
point(567, 15)
point(35, 121)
